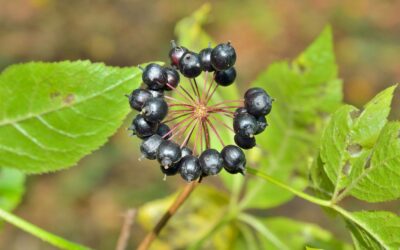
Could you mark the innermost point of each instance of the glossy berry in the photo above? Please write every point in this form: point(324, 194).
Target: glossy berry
point(258, 103)
point(225, 77)
point(262, 124)
point(234, 159)
point(163, 131)
point(168, 153)
point(143, 128)
point(176, 53)
point(172, 79)
point(245, 125)
point(138, 97)
point(223, 56)
point(150, 146)
point(241, 110)
point(154, 76)
point(156, 93)
point(205, 60)
point(189, 65)
point(172, 170)
point(155, 109)
point(186, 151)
point(252, 91)
point(211, 162)
point(245, 142)
point(190, 169)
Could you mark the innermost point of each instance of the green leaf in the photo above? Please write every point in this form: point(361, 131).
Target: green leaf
point(296, 119)
point(375, 230)
point(360, 151)
point(282, 233)
point(12, 188)
point(53, 114)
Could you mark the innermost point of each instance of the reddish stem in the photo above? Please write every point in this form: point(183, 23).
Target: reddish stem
point(216, 133)
point(222, 123)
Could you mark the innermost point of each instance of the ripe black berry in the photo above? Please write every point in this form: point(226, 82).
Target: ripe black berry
point(245, 125)
point(156, 93)
point(234, 159)
point(211, 162)
point(225, 77)
point(190, 168)
point(258, 103)
point(176, 53)
point(155, 109)
point(240, 110)
point(154, 76)
point(172, 78)
point(245, 142)
point(168, 153)
point(143, 128)
point(150, 146)
point(189, 65)
point(186, 151)
point(172, 170)
point(262, 124)
point(223, 56)
point(252, 91)
point(162, 130)
point(205, 60)
point(138, 97)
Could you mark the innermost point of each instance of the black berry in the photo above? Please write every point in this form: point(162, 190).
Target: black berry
point(168, 153)
point(143, 128)
point(245, 142)
point(163, 130)
point(258, 103)
point(262, 124)
point(234, 159)
point(186, 151)
point(225, 77)
point(150, 146)
point(156, 93)
point(223, 56)
point(138, 97)
point(155, 109)
point(252, 91)
point(205, 60)
point(240, 110)
point(245, 125)
point(172, 79)
point(189, 65)
point(172, 170)
point(190, 168)
point(154, 76)
point(176, 53)
point(211, 162)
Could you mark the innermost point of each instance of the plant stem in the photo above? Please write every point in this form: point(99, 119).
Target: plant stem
point(40, 233)
point(150, 237)
point(300, 194)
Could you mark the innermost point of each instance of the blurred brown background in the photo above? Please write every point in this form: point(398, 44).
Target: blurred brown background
point(86, 202)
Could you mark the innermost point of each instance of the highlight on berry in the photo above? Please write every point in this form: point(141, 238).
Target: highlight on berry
point(177, 129)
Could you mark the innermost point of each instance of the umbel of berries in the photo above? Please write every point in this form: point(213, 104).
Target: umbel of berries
point(180, 121)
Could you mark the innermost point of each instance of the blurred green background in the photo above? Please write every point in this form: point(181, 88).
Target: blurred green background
point(86, 203)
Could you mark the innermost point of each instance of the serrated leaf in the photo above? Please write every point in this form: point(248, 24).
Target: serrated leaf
point(12, 187)
point(294, 235)
point(375, 230)
point(297, 116)
point(53, 114)
point(360, 154)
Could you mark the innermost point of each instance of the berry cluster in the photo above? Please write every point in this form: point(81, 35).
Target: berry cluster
point(194, 116)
